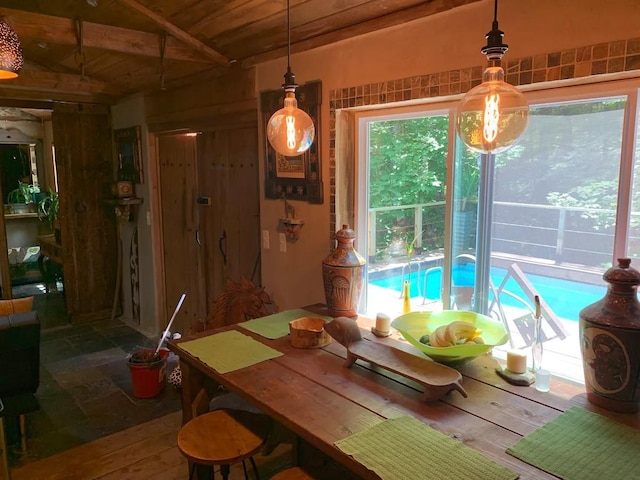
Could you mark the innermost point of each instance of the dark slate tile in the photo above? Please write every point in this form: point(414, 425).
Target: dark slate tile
point(54, 351)
point(90, 342)
point(81, 362)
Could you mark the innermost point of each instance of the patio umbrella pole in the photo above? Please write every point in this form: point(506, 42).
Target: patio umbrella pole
point(483, 233)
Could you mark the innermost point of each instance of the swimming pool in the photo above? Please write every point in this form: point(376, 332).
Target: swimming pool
point(566, 298)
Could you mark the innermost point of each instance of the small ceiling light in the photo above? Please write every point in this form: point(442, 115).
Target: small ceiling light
point(290, 131)
point(494, 114)
point(93, 3)
point(11, 60)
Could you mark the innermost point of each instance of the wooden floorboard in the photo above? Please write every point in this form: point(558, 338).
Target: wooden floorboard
point(145, 451)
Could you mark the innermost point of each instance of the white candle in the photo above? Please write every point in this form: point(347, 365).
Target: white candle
point(383, 323)
point(516, 361)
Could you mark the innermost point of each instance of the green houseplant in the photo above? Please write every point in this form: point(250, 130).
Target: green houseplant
point(49, 211)
point(21, 199)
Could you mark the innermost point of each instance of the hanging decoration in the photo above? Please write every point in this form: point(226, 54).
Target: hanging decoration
point(290, 130)
point(11, 59)
point(493, 115)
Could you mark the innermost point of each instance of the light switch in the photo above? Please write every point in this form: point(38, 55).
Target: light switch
point(265, 239)
point(282, 241)
point(148, 218)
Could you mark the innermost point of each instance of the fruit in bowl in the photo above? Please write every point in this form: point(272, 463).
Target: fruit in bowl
point(451, 335)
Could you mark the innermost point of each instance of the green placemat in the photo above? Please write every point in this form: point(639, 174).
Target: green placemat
point(580, 445)
point(277, 325)
point(229, 351)
point(405, 448)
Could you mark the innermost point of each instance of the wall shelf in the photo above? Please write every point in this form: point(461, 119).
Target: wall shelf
point(15, 216)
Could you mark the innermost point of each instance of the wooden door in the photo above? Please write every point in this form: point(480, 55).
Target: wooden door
point(178, 190)
point(228, 163)
point(83, 147)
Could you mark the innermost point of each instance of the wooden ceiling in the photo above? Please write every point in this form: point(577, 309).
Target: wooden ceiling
point(82, 53)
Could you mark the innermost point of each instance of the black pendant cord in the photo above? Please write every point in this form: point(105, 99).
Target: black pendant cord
point(289, 78)
point(495, 49)
point(288, 37)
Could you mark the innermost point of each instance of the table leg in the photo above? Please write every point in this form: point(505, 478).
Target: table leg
point(4, 461)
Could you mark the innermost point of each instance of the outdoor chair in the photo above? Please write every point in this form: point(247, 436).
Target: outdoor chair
point(525, 324)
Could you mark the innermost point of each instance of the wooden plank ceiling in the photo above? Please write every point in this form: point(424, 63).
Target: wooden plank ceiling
point(75, 51)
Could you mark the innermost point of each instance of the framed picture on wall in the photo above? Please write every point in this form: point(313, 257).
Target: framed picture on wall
point(299, 177)
point(129, 154)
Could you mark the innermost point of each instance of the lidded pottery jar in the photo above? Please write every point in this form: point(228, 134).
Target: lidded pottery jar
point(343, 274)
point(610, 340)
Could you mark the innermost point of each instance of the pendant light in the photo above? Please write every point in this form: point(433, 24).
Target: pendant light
point(494, 114)
point(11, 60)
point(290, 130)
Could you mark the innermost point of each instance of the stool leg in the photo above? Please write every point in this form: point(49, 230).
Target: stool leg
point(204, 472)
point(255, 468)
point(224, 470)
point(4, 462)
point(244, 467)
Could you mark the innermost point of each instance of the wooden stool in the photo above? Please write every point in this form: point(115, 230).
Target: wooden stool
point(295, 473)
point(223, 437)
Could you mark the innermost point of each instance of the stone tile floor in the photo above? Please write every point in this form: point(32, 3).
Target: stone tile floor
point(85, 384)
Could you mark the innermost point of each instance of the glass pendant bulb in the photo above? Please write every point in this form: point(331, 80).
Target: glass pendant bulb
point(493, 115)
point(290, 131)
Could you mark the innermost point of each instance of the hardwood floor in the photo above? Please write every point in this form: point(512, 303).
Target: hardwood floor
point(145, 451)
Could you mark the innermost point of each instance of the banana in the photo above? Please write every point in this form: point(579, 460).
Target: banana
point(438, 337)
point(456, 333)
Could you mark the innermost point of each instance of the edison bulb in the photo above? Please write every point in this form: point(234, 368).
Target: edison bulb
point(290, 131)
point(493, 115)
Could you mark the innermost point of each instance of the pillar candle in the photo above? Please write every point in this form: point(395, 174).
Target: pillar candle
point(383, 322)
point(516, 361)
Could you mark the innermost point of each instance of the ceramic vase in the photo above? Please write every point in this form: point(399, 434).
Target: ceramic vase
point(343, 274)
point(609, 339)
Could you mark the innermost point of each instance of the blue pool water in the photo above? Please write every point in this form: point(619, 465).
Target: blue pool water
point(566, 298)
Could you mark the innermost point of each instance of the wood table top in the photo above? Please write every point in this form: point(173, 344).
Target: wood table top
point(314, 395)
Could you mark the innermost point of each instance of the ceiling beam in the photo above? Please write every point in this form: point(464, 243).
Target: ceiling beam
point(38, 85)
point(62, 31)
point(178, 32)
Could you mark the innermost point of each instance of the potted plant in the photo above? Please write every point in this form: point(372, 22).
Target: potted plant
point(21, 199)
point(49, 211)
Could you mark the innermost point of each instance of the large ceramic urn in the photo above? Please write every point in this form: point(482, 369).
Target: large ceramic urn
point(610, 336)
point(343, 274)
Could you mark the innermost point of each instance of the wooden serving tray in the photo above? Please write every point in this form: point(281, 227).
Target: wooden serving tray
point(437, 379)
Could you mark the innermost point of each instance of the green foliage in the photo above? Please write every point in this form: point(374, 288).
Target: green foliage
point(407, 161)
point(49, 208)
point(22, 194)
point(407, 167)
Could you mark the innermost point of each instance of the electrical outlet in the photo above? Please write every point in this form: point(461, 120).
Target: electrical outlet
point(265, 239)
point(282, 241)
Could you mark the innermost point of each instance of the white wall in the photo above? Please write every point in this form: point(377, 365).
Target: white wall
point(128, 113)
point(443, 42)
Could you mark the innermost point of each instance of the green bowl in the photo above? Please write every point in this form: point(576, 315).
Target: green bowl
point(414, 325)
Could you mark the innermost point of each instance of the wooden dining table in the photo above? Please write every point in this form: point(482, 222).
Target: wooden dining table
point(313, 394)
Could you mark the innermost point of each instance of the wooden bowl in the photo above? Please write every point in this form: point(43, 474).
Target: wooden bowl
point(308, 332)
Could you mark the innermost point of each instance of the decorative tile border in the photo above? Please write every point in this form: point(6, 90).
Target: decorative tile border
point(612, 57)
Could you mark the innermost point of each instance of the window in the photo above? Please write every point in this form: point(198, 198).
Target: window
point(552, 213)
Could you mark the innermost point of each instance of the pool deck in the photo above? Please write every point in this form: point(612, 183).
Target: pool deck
point(561, 357)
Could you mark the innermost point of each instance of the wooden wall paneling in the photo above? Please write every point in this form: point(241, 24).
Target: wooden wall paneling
point(230, 224)
point(178, 192)
point(243, 198)
point(210, 222)
point(82, 136)
point(227, 93)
